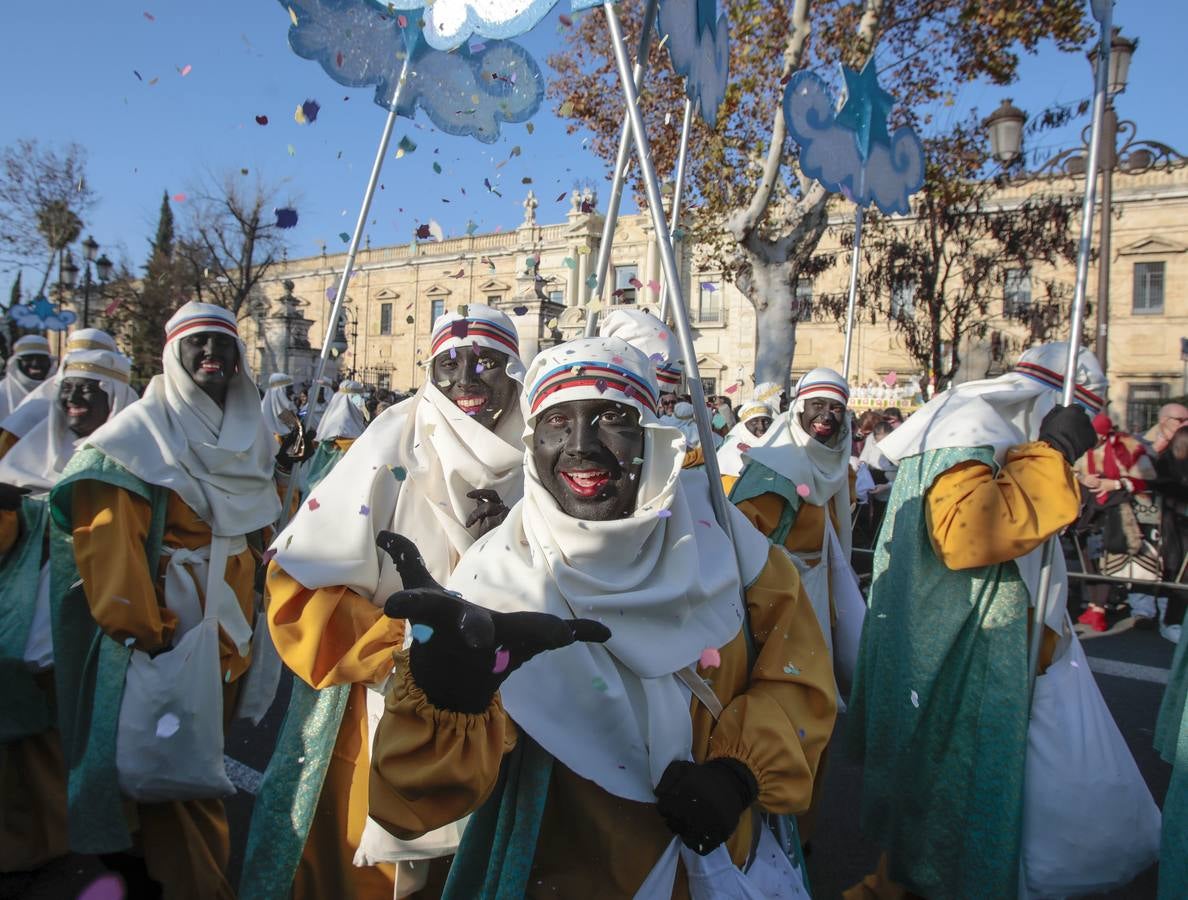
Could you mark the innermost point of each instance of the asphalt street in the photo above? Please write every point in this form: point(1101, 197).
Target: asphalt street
point(1131, 667)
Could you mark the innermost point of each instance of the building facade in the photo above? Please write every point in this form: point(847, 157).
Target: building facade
point(542, 275)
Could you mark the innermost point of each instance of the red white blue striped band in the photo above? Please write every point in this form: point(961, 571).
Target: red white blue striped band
point(1055, 380)
point(472, 329)
point(602, 376)
point(202, 323)
point(824, 388)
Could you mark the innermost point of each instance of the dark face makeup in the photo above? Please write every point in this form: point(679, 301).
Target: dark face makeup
point(588, 454)
point(822, 418)
point(35, 366)
point(85, 404)
point(475, 380)
point(210, 357)
point(758, 425)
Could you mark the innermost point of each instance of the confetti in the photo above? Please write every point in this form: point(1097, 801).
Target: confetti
point(343, 236)
point(710, 658)
point(520, 310)
point(471, 228)
point(565, 20)
point(654, 286)
point(421, 634)
point(128, 642)
point(150, 17)
point(915, 700)
point(293, 16)
point(709, 287)
point(292, 150)
point(437, 168)
point(731, 389)
point(803, 490)
point(638, 461)
point(565, 109)
point(269, 554)
point(402, 21)
point(560, 197)
point(592, 282)
point(313, 503)
point(791, 670)
point(569, 262)
point(598, 684)
point(227, 677)
point(168, 725)
point(105, 887)
point(664, 514)
point(364, 510)
point(185, 70)
point(179, 198)
point(261, 120)
point(422, 232)
point(310, 110)
point(600, 385)
point(139, 77)
point(286, 217)
point(551, 324)
point(406, 145)
point(399, 472)
point(502, 661)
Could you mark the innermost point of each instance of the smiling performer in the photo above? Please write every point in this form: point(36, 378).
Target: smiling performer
point(91, 387)
point(438, 467)
point(162, 498)
point(341, 424)
point(29, 366)
point(586, 762)
point(754, 429)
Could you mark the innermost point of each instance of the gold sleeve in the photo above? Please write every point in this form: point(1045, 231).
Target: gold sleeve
point(976, 518)
point(781, 723)
point(432, 766)
point(330, 635)
point(110, 528)
point(7, 440)
point(10, 529)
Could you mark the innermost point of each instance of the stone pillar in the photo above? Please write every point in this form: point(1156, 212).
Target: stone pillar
point(583, 270)
point(572, 291)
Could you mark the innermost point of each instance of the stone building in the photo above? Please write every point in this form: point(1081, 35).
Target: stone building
point(541, 274)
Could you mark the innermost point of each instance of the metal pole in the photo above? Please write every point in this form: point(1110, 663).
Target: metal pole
point(851, 309)
point(353, 249)
point(1078, 314)
point(87, 297)
point(668, 260)
point(1109, 141)
point(620, 176)
point(678, 193)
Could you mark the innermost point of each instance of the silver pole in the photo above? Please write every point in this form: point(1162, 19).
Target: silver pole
point(1078, 311)
point(678, 193)
point(353, 249)
point(620, 176)
point(668, 259)
point(850, 310)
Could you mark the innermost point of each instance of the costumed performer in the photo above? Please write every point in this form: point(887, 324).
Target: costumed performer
point(341, 424)
point(984, 478)
point(91, 387)
point(164, 498)
point(439, 467)
point(580, 762)
point(28, 367)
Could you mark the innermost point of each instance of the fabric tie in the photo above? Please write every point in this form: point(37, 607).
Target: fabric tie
point(206, 565)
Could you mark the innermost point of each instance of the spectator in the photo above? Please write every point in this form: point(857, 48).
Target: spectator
point(1172, 485)
point(1118, 473)
point(893, 416)
point(1172, 417)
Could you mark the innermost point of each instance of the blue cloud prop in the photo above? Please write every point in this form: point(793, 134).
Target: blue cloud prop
point(699, 47)
point(450, 23)
point(829, 152)
point(357, 45)
point(41, 315)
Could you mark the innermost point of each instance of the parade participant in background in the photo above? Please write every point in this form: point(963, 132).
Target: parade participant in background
point(280, 418)
point(438, 467)
point(1172, 417)
point(29, 366)
point(755, 427)
point(91, 387)
point(1172, 486)
point(187, 470)
point(594, 740)
point(341, 424)
point(277, 407)
point(35, 407)
point(774, 395)
point(984, 479)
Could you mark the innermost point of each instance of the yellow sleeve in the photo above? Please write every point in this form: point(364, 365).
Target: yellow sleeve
point(330, 635)
point(694, 458)
point(430, 766)
point(10, 529)
point(7, 440)
point(978, 519)
point(780, 725)
point(763, 511)
point(110, 528)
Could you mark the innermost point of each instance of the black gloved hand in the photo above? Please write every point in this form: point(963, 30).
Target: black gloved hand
point(489, 509)
point(1069, 430)
point(469, 651)
point(701, 802)
point(10, 496)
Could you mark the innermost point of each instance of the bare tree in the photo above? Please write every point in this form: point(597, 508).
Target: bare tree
point(229, 239)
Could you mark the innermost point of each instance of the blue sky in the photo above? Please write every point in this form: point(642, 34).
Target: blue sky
point(68, 69)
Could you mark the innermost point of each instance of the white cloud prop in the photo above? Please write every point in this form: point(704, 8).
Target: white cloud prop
point(699, 48)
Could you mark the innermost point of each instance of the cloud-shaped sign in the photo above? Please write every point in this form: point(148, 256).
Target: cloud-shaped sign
point(699, 47)
point(41, 315)
point(828, 152)
point(450, 23)
point(463, 93)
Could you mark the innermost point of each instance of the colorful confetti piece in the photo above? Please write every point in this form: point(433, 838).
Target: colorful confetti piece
point(710, 658)
point(791, 670)
point(915, 700)
point(803, 490)
point(502, 661)
point(399, 473)
point(313, 503)
point(168, 725)
point(664, 514)
point(105, 887)
point(421, 633)
point(286, 217)
point(598, 684)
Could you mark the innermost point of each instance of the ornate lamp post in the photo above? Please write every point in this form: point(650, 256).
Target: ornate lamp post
point(69, 274)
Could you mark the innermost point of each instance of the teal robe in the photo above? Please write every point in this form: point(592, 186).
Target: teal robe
point(1171, 740)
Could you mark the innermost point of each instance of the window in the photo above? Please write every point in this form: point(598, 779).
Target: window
point(626, 279)
point(1148, 288)
point(804, 298)
point(383, 381)
point(1142, 403)
point(493, 299)
point(710, 386)
point(385, 318)
point(903, 297)
point(709, 304)
point(436, 309)
point(557, 297)
point(1016, 292)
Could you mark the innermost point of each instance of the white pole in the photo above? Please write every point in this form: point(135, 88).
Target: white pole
point(620, 176)
point(678, 193)
point(850, 310)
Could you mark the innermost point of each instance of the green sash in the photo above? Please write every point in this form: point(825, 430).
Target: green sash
point(938, 712)
point(494, 860)
point(756, 480)
point(288, 796)
point(89, 667)
point(325, 458)
point(24, 707)
point(1171, 740)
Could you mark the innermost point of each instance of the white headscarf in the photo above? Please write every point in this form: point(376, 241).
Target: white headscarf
point(410, 473)
point(998, 412)
point(768, 392)
point(663, 580)
point(346, 414)
point(653, 338)
point(37, 460)
point(739, 440)
point(803, 460)
point(276, 400)
point(16, 385)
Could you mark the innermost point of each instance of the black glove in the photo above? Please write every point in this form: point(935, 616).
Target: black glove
point(10, 496)
point(468, 651)
point(701, 802)
point(1069, 430)
point(489, 509)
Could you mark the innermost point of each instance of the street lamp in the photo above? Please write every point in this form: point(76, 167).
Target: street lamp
point(103, 267)
point(1132, 155)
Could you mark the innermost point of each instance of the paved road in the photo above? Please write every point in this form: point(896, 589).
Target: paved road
point(1131, 668)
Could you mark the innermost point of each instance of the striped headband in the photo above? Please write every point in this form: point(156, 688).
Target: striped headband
point(668, 375)
point(95, 369)
point(201, 323)
point(604, 377)
point(475, 329)
point(74, 343)
point(30, 344)
point(1055, 380)
point(823, 389)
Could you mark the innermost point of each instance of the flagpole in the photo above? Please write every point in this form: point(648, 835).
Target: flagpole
point(853, 303)
point(678, 193)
